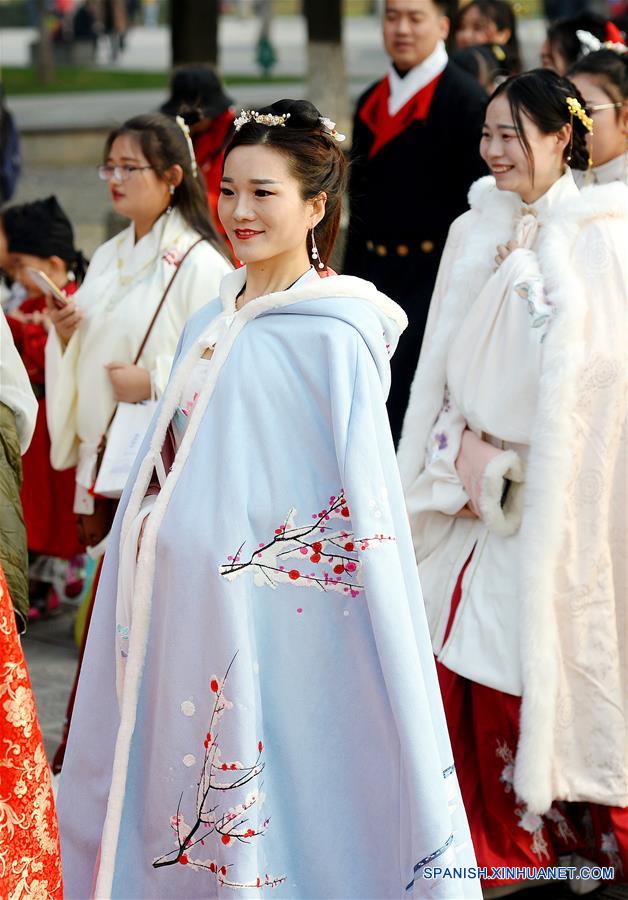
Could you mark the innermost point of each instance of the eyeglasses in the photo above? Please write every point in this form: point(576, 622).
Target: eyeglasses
point(119, 173)
point(598, 107)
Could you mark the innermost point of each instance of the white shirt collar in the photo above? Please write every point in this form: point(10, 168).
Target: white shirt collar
point(613, 170)
point(561, 190)
point(403, 89)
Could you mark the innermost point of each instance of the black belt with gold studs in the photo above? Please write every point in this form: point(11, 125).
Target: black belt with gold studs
point(401, 250)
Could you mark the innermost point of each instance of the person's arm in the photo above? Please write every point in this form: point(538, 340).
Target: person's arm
point(15, 387)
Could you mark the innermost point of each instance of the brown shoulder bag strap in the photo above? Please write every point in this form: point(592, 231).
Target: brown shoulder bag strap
point(150, 327)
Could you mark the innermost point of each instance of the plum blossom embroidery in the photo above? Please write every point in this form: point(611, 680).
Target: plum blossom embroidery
point(530, 822)
point(563, 830)
point(610, 848)
point(332, 554)
point(173, 256)
point(539, 307)
point(188, 409)
point(230, 826)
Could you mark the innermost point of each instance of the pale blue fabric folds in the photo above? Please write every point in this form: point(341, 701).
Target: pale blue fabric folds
point(281, 726)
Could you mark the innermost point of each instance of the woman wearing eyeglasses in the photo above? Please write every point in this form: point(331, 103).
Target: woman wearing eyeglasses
point(602, 79)
point(152, 180)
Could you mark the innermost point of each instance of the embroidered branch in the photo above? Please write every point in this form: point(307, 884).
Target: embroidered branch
point(218, 777)
point(332, 553)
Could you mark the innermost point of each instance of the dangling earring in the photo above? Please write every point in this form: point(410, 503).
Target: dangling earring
point(315, 255)
point(171, 190)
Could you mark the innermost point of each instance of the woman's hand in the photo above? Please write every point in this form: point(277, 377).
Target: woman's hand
point(40, 318)
point(504, 251)
point(66, 320)
point(131, 384)
point(465, 513)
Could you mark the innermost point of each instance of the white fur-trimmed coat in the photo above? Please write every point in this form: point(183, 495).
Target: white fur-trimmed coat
point(572, 576)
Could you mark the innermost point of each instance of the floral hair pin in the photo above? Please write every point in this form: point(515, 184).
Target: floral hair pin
point(330, 127)
point(251, 115)
point(591, 44)
point(576, 109)
point(188, 137)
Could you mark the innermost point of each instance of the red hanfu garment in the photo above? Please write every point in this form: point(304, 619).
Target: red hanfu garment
point(376, 117)
point(209, 149)
point(30, 864)
point(47, 495)
point(484, 730)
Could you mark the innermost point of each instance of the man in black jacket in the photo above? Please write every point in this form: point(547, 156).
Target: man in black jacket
point(415, 154)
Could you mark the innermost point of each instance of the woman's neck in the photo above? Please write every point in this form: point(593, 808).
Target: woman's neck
point(272, 275)
point(142, 225)
point(539, 190)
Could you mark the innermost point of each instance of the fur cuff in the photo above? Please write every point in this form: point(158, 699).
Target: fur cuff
point(504, 521)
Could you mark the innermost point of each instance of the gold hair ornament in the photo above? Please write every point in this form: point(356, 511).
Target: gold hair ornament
point(183, 125)
point(576, 109)
point(252, 115)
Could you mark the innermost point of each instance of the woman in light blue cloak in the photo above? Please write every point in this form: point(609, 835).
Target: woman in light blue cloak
point(258, 706)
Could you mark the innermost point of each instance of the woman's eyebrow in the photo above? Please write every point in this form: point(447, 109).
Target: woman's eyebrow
point(253, 180)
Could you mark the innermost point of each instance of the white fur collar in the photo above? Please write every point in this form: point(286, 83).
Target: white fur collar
point(334, 286)
point(591, 202)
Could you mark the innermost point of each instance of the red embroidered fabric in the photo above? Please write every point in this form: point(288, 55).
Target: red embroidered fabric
point(374, 113)
point(47, 495)
point(30, 865)
point(484, 729)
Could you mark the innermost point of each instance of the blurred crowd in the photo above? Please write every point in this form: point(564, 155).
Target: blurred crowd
point(92, 337)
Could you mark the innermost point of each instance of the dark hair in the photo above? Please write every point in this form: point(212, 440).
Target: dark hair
point(445, 7)
point(164, 145)
point(314, 157)
point(41, 228)
point(196, 93)
point(488, 62)
point(562, 35)
point(542, 96)
point(503, 16)
point(610, 70)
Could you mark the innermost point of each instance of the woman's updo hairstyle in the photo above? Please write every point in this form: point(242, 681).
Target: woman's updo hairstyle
point(609, 69)
point(313, 156)
point(164, 145)
point(541, 95)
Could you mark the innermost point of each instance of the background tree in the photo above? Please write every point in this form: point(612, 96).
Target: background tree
point(327, 77)
point(194, 31)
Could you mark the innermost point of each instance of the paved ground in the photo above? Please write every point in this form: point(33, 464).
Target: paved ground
point(149, 48)
point(51, 656)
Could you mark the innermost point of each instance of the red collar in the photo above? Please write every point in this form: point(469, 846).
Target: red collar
point(375, 115)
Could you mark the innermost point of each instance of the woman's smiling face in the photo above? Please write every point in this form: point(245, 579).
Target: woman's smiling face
point(261, 207)
point(502, 151)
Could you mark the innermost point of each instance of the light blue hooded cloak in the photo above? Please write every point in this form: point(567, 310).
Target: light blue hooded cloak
point(277, 722)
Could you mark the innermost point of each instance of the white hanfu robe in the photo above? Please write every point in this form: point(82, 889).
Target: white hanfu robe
point(532, 359)
point(124, 284)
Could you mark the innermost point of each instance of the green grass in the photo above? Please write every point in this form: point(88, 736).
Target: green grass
point(23, 81)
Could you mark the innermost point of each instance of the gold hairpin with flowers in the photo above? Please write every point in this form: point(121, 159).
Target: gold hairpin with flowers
point(577, 110)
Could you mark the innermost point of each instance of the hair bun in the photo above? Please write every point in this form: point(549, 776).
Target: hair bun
point(303, 114)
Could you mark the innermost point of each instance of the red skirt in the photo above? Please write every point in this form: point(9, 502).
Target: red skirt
point(48, 498)
point(30, 864)
point(484, 730)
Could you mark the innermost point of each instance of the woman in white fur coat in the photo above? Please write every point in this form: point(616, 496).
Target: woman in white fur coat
point(513, 459)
